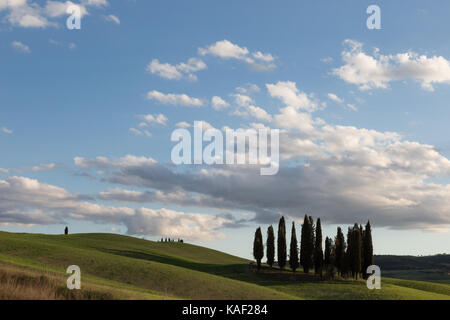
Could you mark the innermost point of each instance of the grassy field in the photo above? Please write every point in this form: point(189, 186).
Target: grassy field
point(32, 266)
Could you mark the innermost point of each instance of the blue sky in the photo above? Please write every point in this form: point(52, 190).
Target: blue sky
point(375, 138)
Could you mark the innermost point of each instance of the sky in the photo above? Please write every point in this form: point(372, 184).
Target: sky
point(86, 118)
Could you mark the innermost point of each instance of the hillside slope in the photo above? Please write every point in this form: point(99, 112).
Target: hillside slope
point(427, 268)
point(120, 267)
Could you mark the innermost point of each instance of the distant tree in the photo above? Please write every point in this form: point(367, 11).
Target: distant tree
point(258, 247)
point(270, 253)
point(281, 244)
point(66, 230)
point(367, 249)
point(339, 243)
point(318, 251)
point(293, 252)
point(307, 245)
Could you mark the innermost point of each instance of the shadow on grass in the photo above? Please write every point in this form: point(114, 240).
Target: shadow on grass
point(266, 276)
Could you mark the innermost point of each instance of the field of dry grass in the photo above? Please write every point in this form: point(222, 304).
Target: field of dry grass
point(18, 284)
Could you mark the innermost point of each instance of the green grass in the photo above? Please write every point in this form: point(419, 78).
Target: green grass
point(120, 267)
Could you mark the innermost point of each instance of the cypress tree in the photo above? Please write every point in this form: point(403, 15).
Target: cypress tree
point(281, 244)
point(339, 250)
point(270, 246)
point(318, 251)
point(367, 249)
point(66, 230)
point(293, 252)
point(356, 251)
point(258, 247)
point(327, 252)
point(361, 232)
point(307, 245)
point(348, 264)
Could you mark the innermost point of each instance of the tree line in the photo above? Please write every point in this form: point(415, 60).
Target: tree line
point(346, 258)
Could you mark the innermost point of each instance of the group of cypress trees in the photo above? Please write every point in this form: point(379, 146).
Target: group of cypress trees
point(347, 258)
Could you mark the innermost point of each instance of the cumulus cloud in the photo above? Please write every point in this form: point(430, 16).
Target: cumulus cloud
point(342, 173)
point(225, 49)
point(28, 201)
point(174, 99)
point(249, 88)
point(218, 103)
point(288, 93)
point(155, 119)
point(247, 109)
point(177, 72)
point(377, 70)
point(30, 14)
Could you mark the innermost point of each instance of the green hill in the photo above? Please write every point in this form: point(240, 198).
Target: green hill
point(427, 268)
point(120, 267)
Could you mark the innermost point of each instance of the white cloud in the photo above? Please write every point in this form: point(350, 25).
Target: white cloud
point(352, 107)
point(249, 88)
point(112, 18)
point(54, 9)
point(177, 72)
point(225, 49)
point(218, 103)
point(335, 98)
point(287, 92)
point(377, 70)
point(4, 171)
point(174, 99)
point(155, 119)
point(44, 167)
point(183, 124)
point(266, 57)
point(30, 14)
point(7, 131)
point(19, 46)
point(143, 132)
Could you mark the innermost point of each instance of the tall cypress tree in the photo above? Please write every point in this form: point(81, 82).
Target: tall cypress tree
point(307, 245)
point(356, 251)
point(258, 247)
point(281, 244)
point(270, 246)
point(339, 250)
point(327, 252)
point(293, 252)
point(367, 249)
point(318, 251)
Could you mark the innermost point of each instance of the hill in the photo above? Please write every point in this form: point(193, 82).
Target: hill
point(428, 268)
point(121, 267)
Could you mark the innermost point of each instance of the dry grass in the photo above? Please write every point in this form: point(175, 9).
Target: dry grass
point(16, 284)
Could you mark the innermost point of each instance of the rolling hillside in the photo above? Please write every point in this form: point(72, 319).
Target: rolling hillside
point(120, 267)
point(427, 268)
